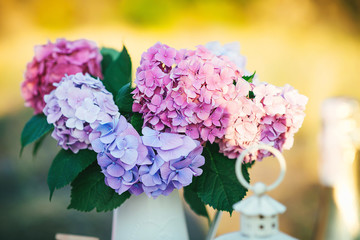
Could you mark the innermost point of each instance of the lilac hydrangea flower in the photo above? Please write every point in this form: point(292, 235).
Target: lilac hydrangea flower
point(76, 107)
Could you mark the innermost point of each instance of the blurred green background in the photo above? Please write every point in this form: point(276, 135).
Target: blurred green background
point(312, 45)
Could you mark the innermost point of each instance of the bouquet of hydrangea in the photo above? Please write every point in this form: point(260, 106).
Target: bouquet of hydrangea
point(189, 116)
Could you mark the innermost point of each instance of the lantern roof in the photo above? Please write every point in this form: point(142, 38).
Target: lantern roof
point(259, 205)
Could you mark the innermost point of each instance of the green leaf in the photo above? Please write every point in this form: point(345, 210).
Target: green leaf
point(110, 199)
point(195, 203)
point(66, 166)
point(137, 122)
point(38, 143)
point(34, 129)
point(109, 55)
point(118, 73)
point(249, 78)
point(124, 98)
point(218, 185)
point(89, 191)
point(249, 164)
point(251, 95)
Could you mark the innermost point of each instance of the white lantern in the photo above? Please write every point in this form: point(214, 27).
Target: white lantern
point(259, 213)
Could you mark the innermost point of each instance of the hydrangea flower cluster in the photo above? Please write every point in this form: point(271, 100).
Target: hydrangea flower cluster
point(269, 117)
point(175, 158)
point(76, 107)
point(120, 153)
point(272, 118)
point(50, 64)
point(243, 130)
point(155, 163)
point(284, 114)
point(153, 84)
point(191, 95)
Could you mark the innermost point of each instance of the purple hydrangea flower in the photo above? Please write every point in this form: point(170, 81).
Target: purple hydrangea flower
point(76, 107)
point(120, 153)
point(175, 160)
point(155, 163)
point(151, 180)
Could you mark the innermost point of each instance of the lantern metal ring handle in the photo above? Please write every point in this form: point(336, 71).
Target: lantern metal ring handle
point(275, 152)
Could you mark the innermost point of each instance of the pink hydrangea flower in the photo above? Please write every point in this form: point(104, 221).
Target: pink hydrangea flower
point(187, 92)
point(244, 128)
point(50, 64)
point(76, 107)
point(281, 123)
point(272, 117)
